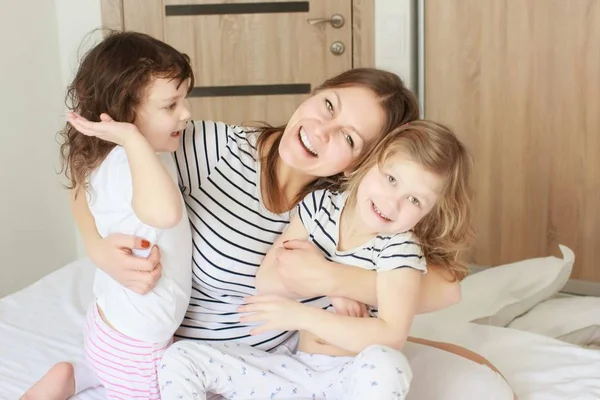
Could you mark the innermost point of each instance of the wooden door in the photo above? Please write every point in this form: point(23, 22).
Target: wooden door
point(253, 61)
point(519, 80)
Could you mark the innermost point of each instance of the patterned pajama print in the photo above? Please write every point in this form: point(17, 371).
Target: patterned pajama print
point(189, 370)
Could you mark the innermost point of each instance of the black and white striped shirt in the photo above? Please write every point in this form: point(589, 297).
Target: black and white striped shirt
point(231, 231)
point(320, 213)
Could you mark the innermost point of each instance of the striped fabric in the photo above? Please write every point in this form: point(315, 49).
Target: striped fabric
point(219, 172)
point(127, 368)
point(320, 213)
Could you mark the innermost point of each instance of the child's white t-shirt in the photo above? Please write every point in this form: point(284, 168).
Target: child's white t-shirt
point(155, 316)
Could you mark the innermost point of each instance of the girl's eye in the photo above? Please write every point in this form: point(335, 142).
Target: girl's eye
point(349, 140)
point(329, 106)
point(172, 106)
point(414, 201)
point(391, 179)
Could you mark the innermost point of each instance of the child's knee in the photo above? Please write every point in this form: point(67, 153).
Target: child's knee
point(386, 356)
point(179, 356)
point(384, 362)
point(181, 366)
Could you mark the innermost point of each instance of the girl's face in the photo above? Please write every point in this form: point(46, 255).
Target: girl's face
point(394, 197)
point(163, 113)
point(330, 129)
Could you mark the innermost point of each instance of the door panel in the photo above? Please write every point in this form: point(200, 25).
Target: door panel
point(252, 60)
point(519, 82)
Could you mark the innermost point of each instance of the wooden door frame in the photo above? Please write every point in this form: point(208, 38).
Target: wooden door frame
point(363, 27)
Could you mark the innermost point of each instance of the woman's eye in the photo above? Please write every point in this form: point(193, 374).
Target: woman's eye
point(329, 106)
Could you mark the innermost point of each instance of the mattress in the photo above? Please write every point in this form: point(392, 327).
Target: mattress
point(41, 325)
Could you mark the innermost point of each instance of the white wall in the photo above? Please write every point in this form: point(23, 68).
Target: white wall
point(37, 38)
point(395, 38)
point(78, 23)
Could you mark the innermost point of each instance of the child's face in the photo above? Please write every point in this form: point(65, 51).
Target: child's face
point(163, 114)
point(393, 198)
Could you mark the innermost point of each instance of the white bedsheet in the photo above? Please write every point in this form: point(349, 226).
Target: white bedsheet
point(41, 325)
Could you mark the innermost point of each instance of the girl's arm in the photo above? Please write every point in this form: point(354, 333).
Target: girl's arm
point(156, 199)
point(113, 254)
point(397, 298)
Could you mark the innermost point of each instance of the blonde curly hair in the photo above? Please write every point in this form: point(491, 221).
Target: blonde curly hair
point(446, 231)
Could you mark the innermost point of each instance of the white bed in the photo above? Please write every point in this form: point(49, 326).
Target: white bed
point(40, 325)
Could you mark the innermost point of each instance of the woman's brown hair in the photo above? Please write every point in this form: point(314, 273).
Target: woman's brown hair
point(112, 78)
point(399, 104)
point(446, 231)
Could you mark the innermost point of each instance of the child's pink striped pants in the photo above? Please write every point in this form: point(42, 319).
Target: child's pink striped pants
point(125, 367)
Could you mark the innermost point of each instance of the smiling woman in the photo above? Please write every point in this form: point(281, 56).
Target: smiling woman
point(331, 144)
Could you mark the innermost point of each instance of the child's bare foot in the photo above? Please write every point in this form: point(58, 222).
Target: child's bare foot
point(57, 384)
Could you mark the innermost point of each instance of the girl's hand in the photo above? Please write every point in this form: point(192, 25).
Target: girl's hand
point(114, 256)
point(274, 312)
point(349, 307)
point(107, 129)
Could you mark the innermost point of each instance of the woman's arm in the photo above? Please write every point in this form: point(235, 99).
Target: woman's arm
point(113, 254)
point(295, 268)
point(267, 278)
point(325, 278)
point(438, 290)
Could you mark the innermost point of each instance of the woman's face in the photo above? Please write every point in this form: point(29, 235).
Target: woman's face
point(330, 130)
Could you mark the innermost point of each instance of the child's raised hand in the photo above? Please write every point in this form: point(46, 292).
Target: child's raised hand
point(349, 307)
point(107, 129)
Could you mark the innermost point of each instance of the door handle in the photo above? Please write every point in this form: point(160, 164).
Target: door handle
point(336, 21)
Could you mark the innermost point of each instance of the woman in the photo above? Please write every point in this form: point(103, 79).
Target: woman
point(240, 187)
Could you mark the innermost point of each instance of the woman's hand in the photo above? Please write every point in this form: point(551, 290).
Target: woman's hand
point(274, 313)
point(349, 307)
point(107, 129)
point(114, 256)
point(301, 268)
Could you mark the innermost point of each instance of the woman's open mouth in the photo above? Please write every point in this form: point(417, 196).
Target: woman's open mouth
point(306, 143)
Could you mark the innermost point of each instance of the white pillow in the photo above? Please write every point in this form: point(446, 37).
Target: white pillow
point(498, 295)
point(574, 319)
